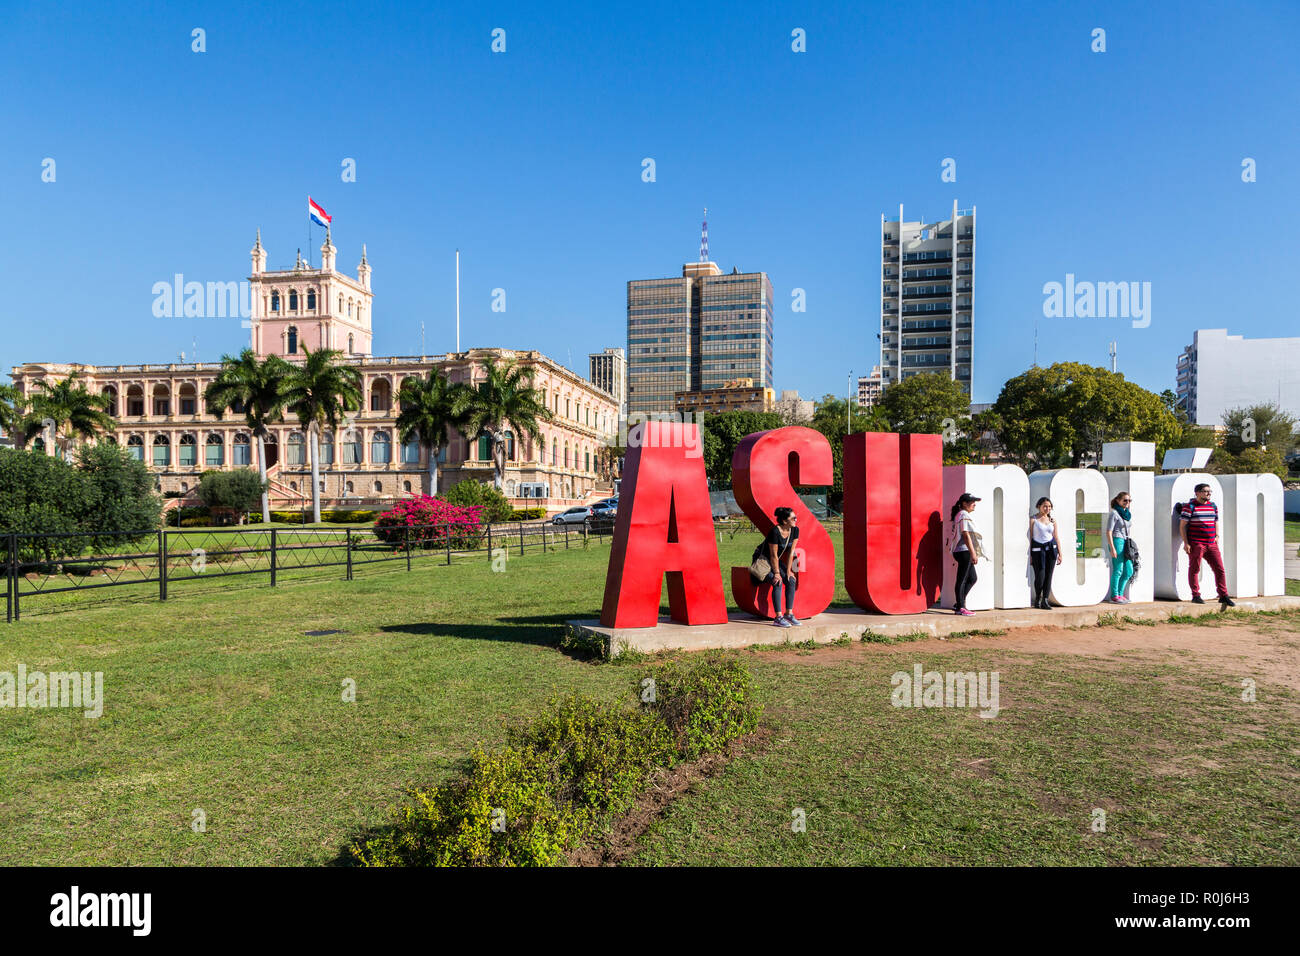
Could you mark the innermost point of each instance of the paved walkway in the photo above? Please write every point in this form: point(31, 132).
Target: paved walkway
point(743, 631)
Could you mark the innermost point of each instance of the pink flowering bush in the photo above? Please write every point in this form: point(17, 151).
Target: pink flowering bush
point(426, 522)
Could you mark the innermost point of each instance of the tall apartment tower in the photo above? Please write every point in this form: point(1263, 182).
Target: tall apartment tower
point(927, 284)
point(609, 374)
point(696, 332)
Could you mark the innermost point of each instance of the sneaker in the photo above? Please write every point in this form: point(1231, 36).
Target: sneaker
point(965, 613)
point(1226, 601)
point(793, 620)
point(781, 622)
point(1197, 599)
point(1119, 599)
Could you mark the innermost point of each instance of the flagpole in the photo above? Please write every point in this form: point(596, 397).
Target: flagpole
point(457, 300)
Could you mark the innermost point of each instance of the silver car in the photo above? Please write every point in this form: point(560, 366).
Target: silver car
point(577, 515)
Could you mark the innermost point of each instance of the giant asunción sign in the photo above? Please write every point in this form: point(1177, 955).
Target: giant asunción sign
point(896, 497)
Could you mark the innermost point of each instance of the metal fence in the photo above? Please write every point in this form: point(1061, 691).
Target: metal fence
point(49, 568)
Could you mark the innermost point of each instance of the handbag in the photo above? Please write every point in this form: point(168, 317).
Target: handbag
point(760, 567)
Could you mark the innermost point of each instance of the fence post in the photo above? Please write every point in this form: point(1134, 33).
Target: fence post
point(543, 536)
point(274, 532)
point(566, 536)
point(521, 538)
point(349, 577)
point(13, 576)
point(9, 578)
point(408, 547)
point(489, 541)
point(162, 565)
point(447, 526)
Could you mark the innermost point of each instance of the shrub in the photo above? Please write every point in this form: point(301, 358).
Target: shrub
point(288, 517)
point(706, 702)
point(346, 517)
point(427, 522)
point(491, 503)
point(561, 777)
point(240, 489)
point(527, 514)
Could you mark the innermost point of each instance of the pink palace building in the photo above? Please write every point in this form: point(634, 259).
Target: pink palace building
point(162, 419)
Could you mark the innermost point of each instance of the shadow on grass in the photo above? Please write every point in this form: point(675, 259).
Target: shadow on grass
point(545, 629)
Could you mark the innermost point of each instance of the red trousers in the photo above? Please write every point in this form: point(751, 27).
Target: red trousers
point(1210, 553)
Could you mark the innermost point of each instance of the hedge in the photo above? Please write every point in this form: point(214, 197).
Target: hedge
point(527, 514)
point(563, 777)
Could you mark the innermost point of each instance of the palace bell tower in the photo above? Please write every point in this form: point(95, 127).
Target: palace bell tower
point(310, 308)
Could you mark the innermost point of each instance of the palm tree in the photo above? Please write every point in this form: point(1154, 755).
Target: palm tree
point(11, 410)
point(505, 401)
point(317, 391)
point(429, 407)
point(73, 409)
point(256, 388)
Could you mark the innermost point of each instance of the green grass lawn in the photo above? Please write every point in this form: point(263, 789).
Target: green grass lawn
point(220, 700)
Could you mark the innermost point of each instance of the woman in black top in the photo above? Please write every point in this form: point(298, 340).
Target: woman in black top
point(779, 548)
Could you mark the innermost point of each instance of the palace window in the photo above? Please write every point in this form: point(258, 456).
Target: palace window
point(188, 400)
point(110, 394)
point(411, 451)
point(352, 450)
point(162, 403)
point(241, 451)
point(326, 449)
point(162, 452)
point(293, 452)
point(380, 397)
point(135, 400)
point(381, 448)
point(311, 300)
point(135, 447)
point(275, 302)
point(293, 300)
point(484, 448)
point(510, 446)
point(215, 452)
point(293, 340)
point(188, 452)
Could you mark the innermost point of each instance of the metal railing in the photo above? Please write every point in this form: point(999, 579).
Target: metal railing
point(154, 563)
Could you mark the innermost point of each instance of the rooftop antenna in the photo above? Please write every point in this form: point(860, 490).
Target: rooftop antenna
point(1114, 352)
point(1035, 343)
point(704, 237)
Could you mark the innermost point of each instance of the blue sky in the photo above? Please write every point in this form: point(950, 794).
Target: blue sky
point(1115, 166)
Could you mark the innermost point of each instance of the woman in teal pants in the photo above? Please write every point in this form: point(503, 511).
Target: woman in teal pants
point(1117, 535)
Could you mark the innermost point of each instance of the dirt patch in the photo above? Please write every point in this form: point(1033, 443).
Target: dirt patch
point(1251, 649)
point(620, 843)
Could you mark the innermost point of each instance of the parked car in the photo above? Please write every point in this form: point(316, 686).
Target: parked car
point(577, 515)
point(605, 509)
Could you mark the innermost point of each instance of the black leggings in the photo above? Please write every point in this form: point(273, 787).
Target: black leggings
point(1044, 558)
point(966, 578)
point(774, 579)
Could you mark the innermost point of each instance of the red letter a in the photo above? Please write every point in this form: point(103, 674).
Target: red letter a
point(664, 526)
point(893, 490)
point(765, 470)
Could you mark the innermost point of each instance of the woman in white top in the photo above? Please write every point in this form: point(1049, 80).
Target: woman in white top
point(965, 551)
point(1044, 551)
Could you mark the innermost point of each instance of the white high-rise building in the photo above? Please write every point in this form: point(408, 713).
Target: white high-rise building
point(927, 284)
point(1218, 372)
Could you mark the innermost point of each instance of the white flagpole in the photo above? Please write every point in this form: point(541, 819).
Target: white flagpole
point(457, 300)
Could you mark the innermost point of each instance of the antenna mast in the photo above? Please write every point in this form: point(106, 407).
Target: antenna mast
point(704, 236)
point(1114, 352)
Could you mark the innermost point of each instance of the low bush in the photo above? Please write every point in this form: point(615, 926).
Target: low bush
point(492, 504)
point(564, 775)
point(290, 517)
point(527, 514)
point(705, 702)
point(346, 517)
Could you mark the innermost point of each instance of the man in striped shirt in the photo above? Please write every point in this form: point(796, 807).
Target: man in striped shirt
point(1200, 533)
